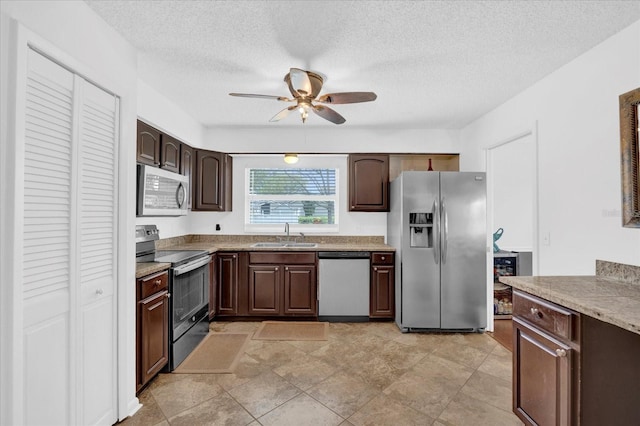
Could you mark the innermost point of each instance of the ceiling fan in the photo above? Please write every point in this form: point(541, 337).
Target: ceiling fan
point(305, 87)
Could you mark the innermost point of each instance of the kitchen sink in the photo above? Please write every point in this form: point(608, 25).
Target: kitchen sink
point(283, 244)
point(267, 245)
point(300, 245)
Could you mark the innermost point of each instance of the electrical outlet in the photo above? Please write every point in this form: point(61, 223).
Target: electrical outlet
point(546, 239)
point(217, 227)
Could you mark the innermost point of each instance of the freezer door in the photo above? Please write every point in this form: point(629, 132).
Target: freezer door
point(463, 246)
point(420, 272)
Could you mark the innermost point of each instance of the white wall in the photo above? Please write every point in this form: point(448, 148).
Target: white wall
point(511, 192)
point(158, 111)
point(274, 139)
point(318, 140)
point(77, 35)
point(309, 139)
point(576, 109)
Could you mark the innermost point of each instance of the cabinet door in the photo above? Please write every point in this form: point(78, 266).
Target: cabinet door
point(542, 391)
point(210, 181)
point(300, 294)
point(170, 153)
point(213, 287)
point(154, 335)
point(382, 296)
point(186, 168)
point(368, 183)
point(148, 145)
point(264, 289)
point(227, 284)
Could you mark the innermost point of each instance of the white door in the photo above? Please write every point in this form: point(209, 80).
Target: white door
point(68, 249)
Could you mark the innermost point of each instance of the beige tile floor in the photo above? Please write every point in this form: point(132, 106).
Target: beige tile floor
point(364, 374)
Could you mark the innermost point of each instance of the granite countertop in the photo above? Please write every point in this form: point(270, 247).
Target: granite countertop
point(607, 298)
point(245, 243)
point(147, 268)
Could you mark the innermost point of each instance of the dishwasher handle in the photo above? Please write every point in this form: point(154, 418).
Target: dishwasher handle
point(344, 255)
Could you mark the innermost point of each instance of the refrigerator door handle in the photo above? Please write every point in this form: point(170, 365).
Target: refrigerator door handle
point(436, 234)
point(445, 231)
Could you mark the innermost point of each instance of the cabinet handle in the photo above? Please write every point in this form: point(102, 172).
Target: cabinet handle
point(561, 352)
point(375, 269)
point(99, 291)
point(382, 258)
point(157, 282)
point(286, 268)
point(536, 312)
point(353, 207)
point(168, 295)
point(276, 268)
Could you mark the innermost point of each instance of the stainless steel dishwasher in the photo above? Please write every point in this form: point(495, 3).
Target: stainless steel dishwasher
point(343, 285)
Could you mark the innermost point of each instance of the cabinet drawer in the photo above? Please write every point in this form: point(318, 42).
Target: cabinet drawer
point(382, 258)
point(545, 315)
point(153, 284)
point(279, 257)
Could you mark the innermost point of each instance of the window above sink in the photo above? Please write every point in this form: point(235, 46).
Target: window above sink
point(304, 198)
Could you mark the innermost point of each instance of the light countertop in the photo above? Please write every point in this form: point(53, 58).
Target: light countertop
point(372, 244)
point(608, 299)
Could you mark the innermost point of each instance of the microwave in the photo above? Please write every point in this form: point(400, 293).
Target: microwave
point(161, 192)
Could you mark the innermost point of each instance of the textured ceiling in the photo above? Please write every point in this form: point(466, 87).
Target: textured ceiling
point(433, 64)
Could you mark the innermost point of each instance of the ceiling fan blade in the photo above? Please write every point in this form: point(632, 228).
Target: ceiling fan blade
point(300, 81)
point(328, 114)
point(347, 97)
point(251, 95)
point(282, 114)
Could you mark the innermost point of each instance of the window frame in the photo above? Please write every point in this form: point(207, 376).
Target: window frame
point(309, 228)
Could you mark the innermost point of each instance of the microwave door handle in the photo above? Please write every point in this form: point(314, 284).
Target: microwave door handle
point(180, 195)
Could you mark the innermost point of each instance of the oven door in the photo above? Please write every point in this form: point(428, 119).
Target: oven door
point(189, 294)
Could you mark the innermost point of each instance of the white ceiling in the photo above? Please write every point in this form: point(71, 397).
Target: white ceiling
point(433, 64)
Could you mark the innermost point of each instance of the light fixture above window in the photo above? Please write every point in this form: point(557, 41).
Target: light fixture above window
point(291, 158)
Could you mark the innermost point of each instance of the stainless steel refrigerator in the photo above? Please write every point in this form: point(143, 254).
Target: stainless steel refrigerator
point(437, 224)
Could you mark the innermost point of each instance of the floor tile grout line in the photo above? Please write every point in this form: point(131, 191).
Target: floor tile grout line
point(345, 338)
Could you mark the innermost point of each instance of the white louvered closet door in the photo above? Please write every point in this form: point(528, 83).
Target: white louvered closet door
point(69, 248)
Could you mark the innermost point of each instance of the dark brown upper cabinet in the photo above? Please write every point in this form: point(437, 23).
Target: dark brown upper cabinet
point(148, 145)
point(186, 168)
point(369, 182)
point(170, 153)
point(213, 182)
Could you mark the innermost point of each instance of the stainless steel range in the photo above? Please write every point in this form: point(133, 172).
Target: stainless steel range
point(189, 290)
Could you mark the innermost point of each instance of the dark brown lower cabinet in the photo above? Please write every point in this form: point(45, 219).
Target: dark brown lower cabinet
point(282, 284)
point(382, 286)
point(228, 275)
point(300, 294)
point(571, 368)
point(264, 290)
point(152, 327)
point(542, 377)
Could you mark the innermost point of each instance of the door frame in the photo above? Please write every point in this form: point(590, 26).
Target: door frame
point(531, 131)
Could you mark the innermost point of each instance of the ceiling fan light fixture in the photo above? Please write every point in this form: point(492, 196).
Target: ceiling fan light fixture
point(305, 87)
point(291, 158)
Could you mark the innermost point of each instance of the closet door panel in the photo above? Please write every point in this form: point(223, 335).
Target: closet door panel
point(97, 212)
point(47, 251)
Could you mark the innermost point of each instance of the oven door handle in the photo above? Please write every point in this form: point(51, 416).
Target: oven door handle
point(191, 266)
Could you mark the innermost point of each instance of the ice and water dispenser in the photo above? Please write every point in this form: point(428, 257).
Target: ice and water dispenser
point(421, 229)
